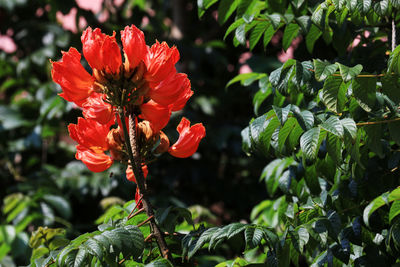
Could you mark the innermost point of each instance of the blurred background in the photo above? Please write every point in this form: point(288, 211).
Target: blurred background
point(39, 175)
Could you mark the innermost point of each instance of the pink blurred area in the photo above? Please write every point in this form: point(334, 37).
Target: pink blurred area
point(68, 21)
point(7, 44)
point(283, 56)
point(91, 5)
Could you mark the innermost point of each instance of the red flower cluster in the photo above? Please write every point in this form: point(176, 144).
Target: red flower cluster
point(145, 82)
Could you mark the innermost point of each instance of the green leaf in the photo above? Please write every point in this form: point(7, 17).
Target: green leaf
point(160, 263)
point(373, 206)
point(349, 127)
point(203, 5)
point(305, 118)
point(305, 23)
point(233, 26)
point(382, 7)
point(318, 16)
point(394, 210)
point(285, 131)
point(333, 125)
point(395, 3)
point(257, 32)
point(253, 236)
point(349, 73)
point(290, 32)
point(282, 113)
point(334, 148)
point(246, 79)
point(333, 94)
point(312, 36)
point(323, 69)
point(60, 204)
point(364, 91)
point(275, 20)
point(393, 63)
point(309, 142)
point(225, 10)
point(391, 87)
point(269, 32)
point(240, 34)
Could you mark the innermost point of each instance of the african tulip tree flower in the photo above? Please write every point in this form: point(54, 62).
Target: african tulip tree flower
point(91, 137)
point(145, 87)
point(189, 139)
point(96, 109)
point(101, 51)
point(77, 84)
point(134, 45)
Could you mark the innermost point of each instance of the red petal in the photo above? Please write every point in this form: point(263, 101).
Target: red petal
point(96, 162)
point(156, 114)
point(96, 109)
point(75, 81)
point(131, 176)
point(189, 139)
point(134, 45)
point(101, 51)
point(160, 62)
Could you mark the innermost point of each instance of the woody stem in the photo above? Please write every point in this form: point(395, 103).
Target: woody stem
point(136, 165)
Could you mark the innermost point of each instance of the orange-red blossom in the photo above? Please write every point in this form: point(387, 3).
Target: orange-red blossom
point(146, 81)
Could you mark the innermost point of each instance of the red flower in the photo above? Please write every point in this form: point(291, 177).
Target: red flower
point(156, 114)
point(96, 162)
point(96, 109)
point(131, 176)
point(168, 91)
point(75, 81)
point(101, 51)
point(189, 139)
point(183, 97)
point(92, 142)
point(160, 62)
point(134, 46)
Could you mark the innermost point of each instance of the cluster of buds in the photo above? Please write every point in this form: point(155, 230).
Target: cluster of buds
point(145, 84)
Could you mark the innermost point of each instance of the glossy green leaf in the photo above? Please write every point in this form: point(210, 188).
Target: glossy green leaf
point(257, 32)
point(333, 94)
point(225, 10)
point(323, 69)
point(349, 73)
point(309, 142)
point(290, 32)
point(312, 36)
point(364, 90)
point(333, 125)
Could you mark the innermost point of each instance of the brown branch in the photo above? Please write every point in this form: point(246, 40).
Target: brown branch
point(359, 75)
point(133, 214)
point(136, 165)
point(145, 221)
point(377, 122)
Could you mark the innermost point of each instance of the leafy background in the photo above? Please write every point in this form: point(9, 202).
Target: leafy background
point(299, 166)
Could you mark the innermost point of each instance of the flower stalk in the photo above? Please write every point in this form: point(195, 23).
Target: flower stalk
point(134, 158)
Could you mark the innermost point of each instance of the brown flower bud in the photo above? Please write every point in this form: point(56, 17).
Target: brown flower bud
point(144, 131)
point(164, 144)
point(115, 143)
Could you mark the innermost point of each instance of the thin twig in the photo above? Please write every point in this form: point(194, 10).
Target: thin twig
point(137, 203)
point(150, 236)
point(145, 221)
point(135, 213)
point(358, 76)
point(377, 122)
